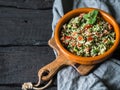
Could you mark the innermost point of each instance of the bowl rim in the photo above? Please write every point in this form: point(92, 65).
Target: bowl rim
point(89, 59)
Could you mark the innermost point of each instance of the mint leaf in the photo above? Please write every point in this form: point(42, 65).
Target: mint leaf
point(91, 21)
point(94, 13)
point(85, 16)
point(91, 17)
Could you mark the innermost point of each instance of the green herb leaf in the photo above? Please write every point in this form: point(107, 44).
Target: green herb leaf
point(91, 21)
point(95, 51)
point(94, 13)
point(76, 49)
point(86, 16)
point(91, 17)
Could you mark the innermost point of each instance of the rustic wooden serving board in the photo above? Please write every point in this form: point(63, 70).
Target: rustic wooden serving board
point(61, 61)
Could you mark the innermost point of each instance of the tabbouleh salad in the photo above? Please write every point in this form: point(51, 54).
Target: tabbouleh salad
point(87, 35)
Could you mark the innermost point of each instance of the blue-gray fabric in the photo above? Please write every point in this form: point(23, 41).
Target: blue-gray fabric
point(107, 75)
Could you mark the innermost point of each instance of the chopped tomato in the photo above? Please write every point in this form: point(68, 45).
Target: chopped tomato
point(90, 38)
point(80, 38)
point(87, 26)
point(67, 37)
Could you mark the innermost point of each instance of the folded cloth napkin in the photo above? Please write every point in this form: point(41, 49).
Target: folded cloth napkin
point(107, 75)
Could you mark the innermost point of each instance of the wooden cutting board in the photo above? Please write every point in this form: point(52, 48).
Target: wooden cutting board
point(60, 61)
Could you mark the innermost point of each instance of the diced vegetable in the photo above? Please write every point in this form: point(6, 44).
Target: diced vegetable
point(80, 38)
point(90, 38)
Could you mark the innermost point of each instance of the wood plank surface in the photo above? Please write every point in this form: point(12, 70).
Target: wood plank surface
point(25, 28)
point(19, 64)
point(27, 4)
point(23, 62)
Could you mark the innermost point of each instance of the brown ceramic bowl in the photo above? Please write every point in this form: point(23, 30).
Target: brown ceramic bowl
point(86, 60)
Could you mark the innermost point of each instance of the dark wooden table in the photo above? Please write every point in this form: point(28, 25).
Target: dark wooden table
point(25, 28)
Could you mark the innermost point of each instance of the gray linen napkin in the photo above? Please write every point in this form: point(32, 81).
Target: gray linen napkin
point(107, 75)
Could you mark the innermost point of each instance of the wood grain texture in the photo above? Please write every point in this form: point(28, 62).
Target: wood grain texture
point(25, 27)
point(27, 4)
point(21, 64)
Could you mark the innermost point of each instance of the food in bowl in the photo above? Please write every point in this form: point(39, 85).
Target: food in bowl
point(87, 35)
